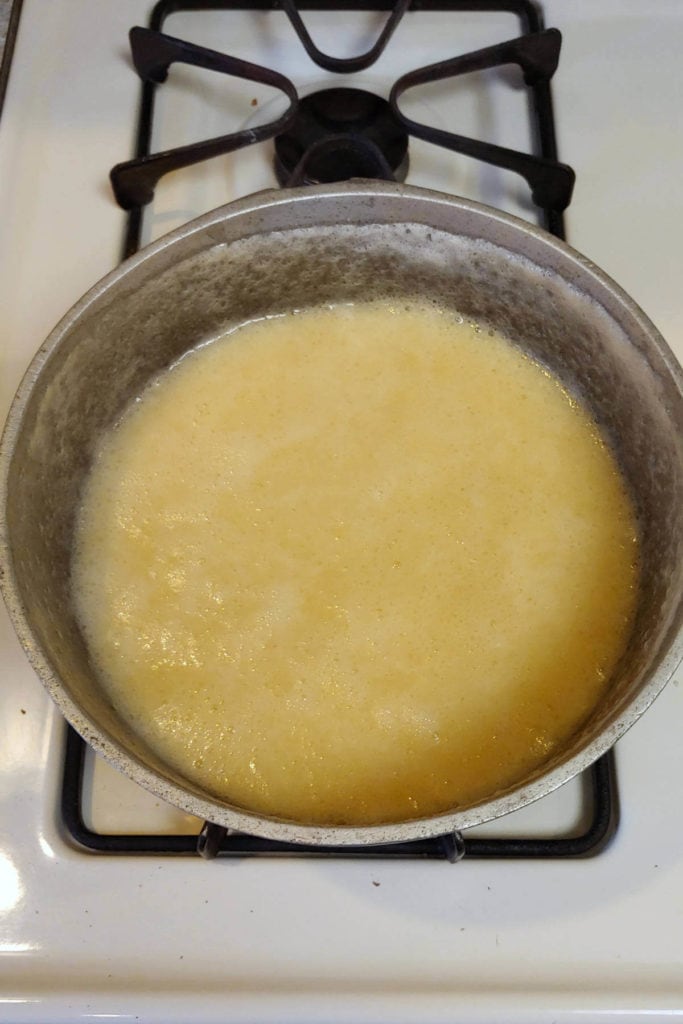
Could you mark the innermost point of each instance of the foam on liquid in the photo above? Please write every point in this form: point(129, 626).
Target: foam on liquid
point(355, 565)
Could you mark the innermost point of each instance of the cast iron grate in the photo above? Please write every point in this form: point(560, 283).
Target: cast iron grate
point(536, 52)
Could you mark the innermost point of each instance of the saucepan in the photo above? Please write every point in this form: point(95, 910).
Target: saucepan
point(291, 249)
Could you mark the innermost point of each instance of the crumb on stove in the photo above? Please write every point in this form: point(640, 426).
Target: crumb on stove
point(254, 102)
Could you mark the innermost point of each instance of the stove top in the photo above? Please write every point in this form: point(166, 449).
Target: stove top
point(89, 935)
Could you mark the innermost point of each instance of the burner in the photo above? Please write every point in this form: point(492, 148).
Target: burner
point(339, 134)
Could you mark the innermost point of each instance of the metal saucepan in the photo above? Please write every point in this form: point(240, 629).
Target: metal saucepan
point(278, 250)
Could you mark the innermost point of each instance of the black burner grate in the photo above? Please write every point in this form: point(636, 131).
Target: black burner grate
point(551, 184)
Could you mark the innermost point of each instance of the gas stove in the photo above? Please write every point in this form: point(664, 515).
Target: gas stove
point(86, 932)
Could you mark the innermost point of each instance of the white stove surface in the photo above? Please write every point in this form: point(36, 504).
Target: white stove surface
point(84, 937)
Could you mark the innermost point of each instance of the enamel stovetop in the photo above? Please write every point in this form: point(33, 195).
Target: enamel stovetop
point(85, 938)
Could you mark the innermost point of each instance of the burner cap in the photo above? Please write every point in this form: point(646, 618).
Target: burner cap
point(344, 126)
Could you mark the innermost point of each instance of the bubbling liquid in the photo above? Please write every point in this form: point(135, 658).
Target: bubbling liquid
point(355, 565)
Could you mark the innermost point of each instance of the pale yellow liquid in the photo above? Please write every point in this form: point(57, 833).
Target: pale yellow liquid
point(356, 565)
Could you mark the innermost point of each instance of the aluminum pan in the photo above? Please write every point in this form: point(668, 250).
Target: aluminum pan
point(617, 360)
